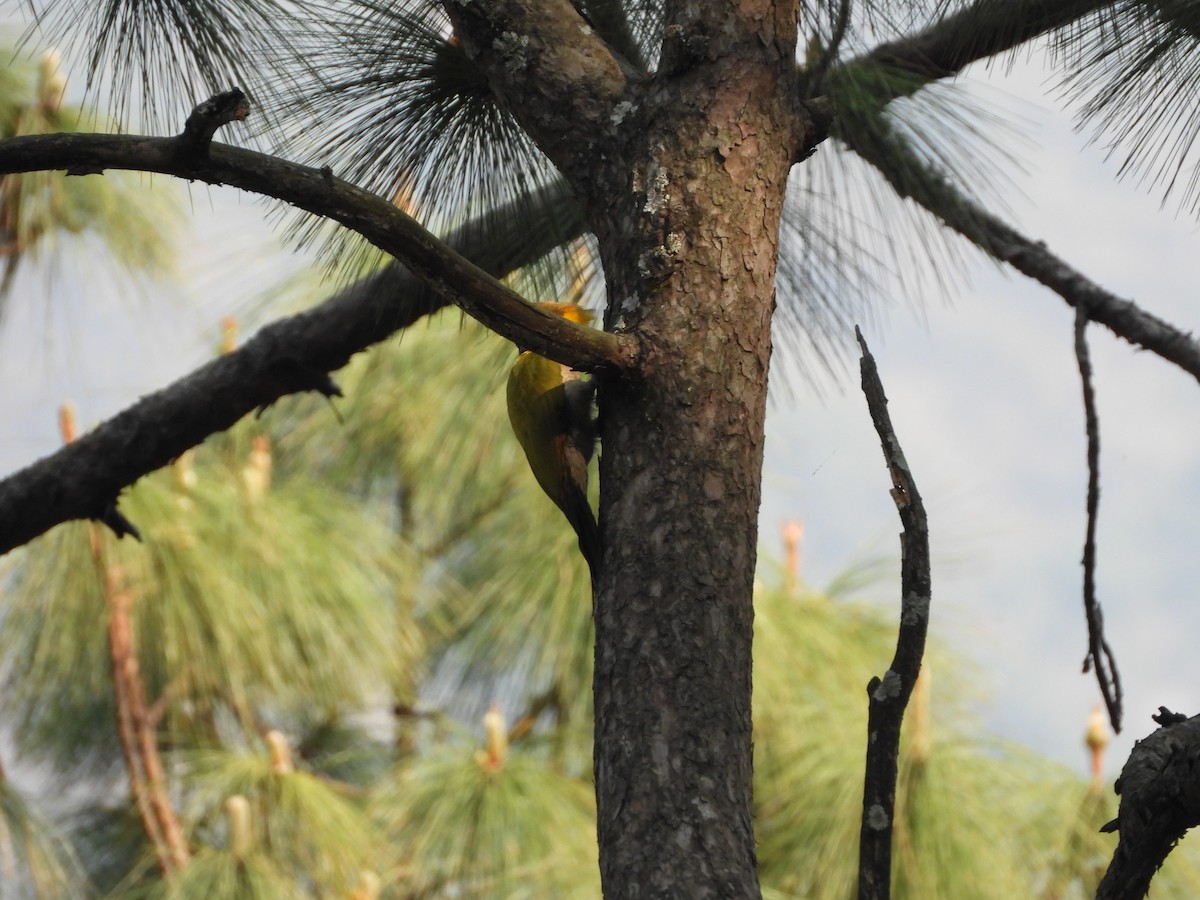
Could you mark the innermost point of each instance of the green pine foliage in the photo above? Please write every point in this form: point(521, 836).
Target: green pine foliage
point(309, 827)
point(466, 822)
point(310, 606)
point(812, 655)
point(292, 600)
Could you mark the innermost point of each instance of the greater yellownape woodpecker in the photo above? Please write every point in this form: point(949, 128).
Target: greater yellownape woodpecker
point(550, 408)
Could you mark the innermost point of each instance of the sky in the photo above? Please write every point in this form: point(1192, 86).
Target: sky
point(985, 398)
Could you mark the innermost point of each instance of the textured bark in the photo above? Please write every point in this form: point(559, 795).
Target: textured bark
point(690, 250)
point(888, 696)
point(1160, 802)
point(559, 78)
point(691, 264)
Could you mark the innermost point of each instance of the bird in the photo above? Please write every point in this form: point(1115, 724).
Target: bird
point(550, 409)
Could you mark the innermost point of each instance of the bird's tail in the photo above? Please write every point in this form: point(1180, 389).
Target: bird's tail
point(590, 546)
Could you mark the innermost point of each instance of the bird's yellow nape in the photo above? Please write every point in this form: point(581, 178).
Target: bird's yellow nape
point(571, 311)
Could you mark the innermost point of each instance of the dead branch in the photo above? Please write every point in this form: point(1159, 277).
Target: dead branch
point(1160, 801)
point(889, 695)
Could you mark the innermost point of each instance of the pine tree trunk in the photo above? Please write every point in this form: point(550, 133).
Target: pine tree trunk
point(690, 264)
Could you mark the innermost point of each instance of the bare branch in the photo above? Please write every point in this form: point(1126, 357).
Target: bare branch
point(914, 179)
point(945, 48)
point(986, 28)
point(84, 479)
point(1160, 801)
point(319, 191)
point(888, 697)
point(1099, 653)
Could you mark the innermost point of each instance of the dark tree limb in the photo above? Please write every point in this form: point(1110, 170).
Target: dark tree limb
point(942, 50)
point(82, 479)
point(888, 696)
point(982, 30)
point(990, 27)
point(1099, 653)
point(1160, 801)
point(319, 191)
point(915, 180)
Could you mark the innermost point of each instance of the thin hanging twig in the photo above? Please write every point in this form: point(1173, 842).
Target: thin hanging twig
point(1099, 653)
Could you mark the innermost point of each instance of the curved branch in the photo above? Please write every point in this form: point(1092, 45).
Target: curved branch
point(984, 29)
point(319, 191)
point(1099, 652)
point(82, 479)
